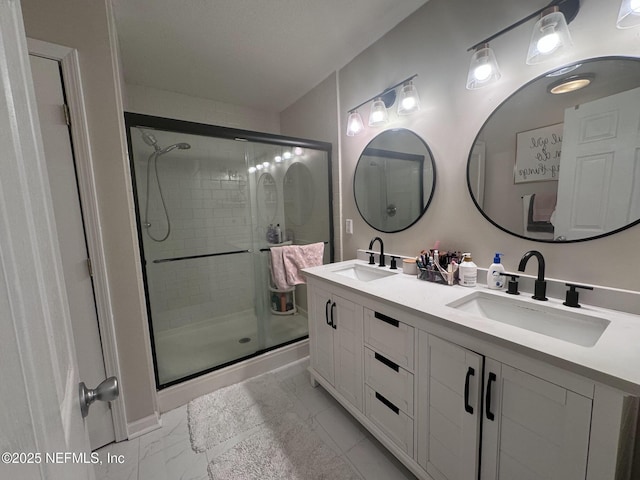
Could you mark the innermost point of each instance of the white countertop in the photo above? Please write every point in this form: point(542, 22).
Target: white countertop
point(614, 360)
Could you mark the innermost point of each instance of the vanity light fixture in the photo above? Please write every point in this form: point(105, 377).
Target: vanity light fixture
point(570, 84)
point(378, 115)
point(483, 68)
point(550, 36)
point(354, 124)
point(409, 102)
point(629, 15)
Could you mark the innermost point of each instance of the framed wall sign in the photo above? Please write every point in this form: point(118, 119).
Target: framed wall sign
point(538, 154)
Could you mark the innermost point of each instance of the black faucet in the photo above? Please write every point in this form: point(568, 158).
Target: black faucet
point(540, 288)
point(381, 249)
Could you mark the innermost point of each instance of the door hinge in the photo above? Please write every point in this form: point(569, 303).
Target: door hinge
point(67, 114)
point(90, 267)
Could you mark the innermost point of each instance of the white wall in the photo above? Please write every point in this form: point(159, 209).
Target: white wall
point(432, 43)
point(84, 26)
point(163, 103)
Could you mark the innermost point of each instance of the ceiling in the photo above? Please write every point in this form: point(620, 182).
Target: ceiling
point(264, 54)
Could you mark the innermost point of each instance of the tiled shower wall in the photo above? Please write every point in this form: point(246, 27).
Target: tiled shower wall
point(206, 195)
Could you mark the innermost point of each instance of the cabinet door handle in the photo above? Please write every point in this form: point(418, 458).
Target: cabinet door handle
point(333, 323)
point(468, 408)
point(492, 378)
point(326, 313)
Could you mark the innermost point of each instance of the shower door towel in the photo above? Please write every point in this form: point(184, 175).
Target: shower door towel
point(287, 261)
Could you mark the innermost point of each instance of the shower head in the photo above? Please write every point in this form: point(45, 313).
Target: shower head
point(179, 146)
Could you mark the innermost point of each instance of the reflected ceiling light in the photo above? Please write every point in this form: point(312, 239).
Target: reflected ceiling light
point(354, 124)
point(277, 159)
point(298, 151)
point(259, 166)
point(483, 69)
point(286, 155)
point(265, 164)
point(629, 15)
point(409, 102)
point(252, 169)
point(570, 84)
point(550, 36)
point(378, 115)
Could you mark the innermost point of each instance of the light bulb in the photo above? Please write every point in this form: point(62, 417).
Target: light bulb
point(277, 159)
point(354, 124)
point(286, 155)
point(549, 40)
point(265, 164)
point(259, 167)
point(252, 169)
point(482, 72)
point(408, 103)
point(298, 151)
point(377, 116)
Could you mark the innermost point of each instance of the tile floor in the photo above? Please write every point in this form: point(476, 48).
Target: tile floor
point(166, 454)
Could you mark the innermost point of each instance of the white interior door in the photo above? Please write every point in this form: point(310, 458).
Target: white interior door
point(73, 247)
point(599, 183)
point(39, 389)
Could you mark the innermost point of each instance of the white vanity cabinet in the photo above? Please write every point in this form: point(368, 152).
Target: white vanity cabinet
point(335, 331)
point(530, 428)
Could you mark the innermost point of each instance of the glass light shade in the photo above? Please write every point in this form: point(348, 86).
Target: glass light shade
point(378, 115)
point(355, 125)
point(629, 15)
point(409, 100)
point(550, 36)
point(483, 69)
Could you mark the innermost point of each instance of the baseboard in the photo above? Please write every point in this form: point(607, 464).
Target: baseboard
point(144, 425)
point(183, 393)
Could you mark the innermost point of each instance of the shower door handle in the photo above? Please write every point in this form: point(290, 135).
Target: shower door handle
point(326, 313)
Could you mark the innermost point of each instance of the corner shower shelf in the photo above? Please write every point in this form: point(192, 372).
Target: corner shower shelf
point(279, 300)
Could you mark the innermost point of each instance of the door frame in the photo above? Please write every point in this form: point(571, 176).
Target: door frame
point(70, 67)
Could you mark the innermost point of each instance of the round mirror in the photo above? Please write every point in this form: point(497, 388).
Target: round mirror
point(559, 160)
point(298, 194)
point(394, 180)
point(267, 199)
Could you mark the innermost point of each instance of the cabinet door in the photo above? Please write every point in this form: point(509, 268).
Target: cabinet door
point(321, 332)
point(454, 400)
point(348, 350)
point(532, 429)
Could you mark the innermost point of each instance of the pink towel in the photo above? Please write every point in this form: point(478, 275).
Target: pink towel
point(543, 206)
point(287, 261)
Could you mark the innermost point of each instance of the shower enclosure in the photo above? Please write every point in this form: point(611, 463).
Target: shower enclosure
point(208, 202)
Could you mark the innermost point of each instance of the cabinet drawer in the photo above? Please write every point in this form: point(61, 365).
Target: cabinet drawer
point(390, 380)
point(397, 425)
point(391, 338)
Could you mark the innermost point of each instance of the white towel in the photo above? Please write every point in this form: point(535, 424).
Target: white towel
point(288, 261)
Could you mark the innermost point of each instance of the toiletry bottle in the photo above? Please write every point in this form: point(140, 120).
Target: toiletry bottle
point(278, 234)
point(468, 271)
point(495, 274)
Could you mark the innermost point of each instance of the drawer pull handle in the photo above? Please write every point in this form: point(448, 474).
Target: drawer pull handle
point(386, 319)
point(468, 408)
point(492, 378)
point(388, 404)
point(387, 362)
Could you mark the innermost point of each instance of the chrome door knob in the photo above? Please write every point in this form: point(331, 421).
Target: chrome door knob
point(107, 391)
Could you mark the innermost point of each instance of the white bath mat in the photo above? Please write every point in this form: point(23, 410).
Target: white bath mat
point(227, 412)
point(285, 448)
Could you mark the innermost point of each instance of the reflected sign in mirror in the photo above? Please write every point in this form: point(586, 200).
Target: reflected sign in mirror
point(394, 180)
point(559, 160)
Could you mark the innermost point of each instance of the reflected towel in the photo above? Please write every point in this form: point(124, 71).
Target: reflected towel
point(288, 261)
point(544, 205)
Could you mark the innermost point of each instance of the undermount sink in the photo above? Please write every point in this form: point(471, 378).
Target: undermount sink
point(564, 325)
point(364, 273)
